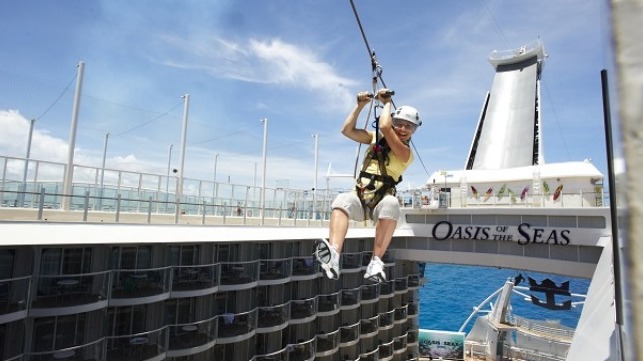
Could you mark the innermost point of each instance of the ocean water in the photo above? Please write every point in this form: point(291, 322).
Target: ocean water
point(452, 291)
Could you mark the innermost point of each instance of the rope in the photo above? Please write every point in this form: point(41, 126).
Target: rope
point(377, 74)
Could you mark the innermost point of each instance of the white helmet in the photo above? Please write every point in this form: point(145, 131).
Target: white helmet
point(409, 114)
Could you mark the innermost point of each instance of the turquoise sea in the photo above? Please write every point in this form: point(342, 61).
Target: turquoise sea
point(451, 291)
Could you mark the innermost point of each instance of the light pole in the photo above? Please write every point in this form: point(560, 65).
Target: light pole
point(167, 177)
point(69, 169)
point(214, 179)
point(263, 178)
point(316, 136)
point(21, 196)
point(184, 131)
point(102, 172)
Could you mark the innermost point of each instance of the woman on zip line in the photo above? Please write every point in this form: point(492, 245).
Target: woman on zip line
point(386, 158)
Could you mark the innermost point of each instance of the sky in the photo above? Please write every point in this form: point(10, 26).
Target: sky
point(296, 63)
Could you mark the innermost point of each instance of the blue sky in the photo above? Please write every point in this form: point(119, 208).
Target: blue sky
point(296, 63)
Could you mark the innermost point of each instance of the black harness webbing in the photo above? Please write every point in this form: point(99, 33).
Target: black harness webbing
point(378, 185)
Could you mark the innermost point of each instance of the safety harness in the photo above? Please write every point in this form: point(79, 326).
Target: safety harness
point(371, 188)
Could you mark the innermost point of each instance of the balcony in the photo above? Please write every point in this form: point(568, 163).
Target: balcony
point(140, 286)
point(399, 343)
point(69, 293)
point(137, 347)
point(194, 281)
point(273, 318)
point(349, 334)
point(369, 326)
point(90, 352)
point(13, 298)
point(327, 343)
point(385, 351)
point(401, 314)
point(304, 268)
point(303, 310)
point(239, 275)
point(275, 271)
point(302, 351)
point(235, 327)
point(192, 338)
point(328, 304)
point(401, 285)
point(386, 320)
point(351, 298)
point(370, 293)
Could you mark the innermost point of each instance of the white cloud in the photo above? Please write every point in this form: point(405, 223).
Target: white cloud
point(270, 62)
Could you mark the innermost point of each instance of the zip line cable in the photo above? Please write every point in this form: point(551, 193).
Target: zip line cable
point(150, 121)
point(377, 74)
point(57, 99)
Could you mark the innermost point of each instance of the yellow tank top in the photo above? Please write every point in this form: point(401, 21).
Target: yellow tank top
point(394, 166)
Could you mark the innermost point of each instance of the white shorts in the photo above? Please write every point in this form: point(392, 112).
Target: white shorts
point(387, 208)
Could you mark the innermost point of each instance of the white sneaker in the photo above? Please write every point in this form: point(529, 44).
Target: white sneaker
point(375, 271)
point(328, 258)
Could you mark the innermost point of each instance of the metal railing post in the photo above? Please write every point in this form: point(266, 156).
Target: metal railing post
point(41, 203)
point(149, 210)
point(86, 206)
point(118, 208)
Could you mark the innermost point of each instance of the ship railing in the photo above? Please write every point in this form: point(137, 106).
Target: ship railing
point(13, 294)
point(137, 190)
point(498, 55)
point(556, 331)
point(302, 350)
point(90, 351)
point(193, 334)
point(462, 198)
point(64, 290)
point(137, 346)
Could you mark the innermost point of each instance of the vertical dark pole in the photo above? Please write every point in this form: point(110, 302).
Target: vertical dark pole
point(618, 290)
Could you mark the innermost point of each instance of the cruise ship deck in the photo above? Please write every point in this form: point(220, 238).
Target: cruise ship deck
point(131, 280)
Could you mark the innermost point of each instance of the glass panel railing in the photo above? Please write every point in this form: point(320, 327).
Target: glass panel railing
point(370, 356)
point(300, 309)
point(195, 334)
point(328, 303)
point(236, 324)
point(275, 269)
point(70, 289)
point(369, 326)
point(387, 288)
point(351, 297)
point(239, 273)
point(413, 308)
point(414, 281)
point(273, 316)
point(399, 343)
point(92, 351)
point(370, 293)
point(349, 333)
point(385, 350)
point(412, 337)
point(139, 346)
point(304, 267)
point(13, 295)
point(281, 355)
point(301, 351)
point(191, 278)
point(386, 319)
point(351, 261)
point(401, 285)
point(401, 314)
point(128, 283)
point(326, 342)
